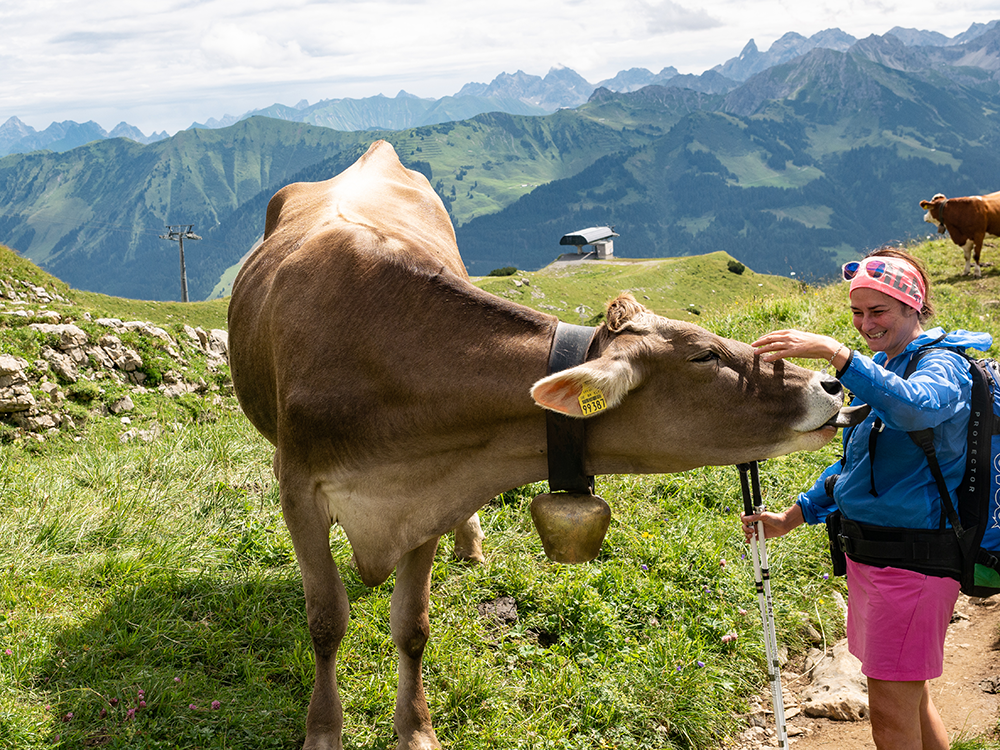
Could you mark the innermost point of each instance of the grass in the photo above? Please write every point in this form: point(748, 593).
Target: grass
point(150, 598)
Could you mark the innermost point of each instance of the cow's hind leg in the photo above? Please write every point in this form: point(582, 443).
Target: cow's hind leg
point(327, 608)
point(410, 623)
point(469, 540)
point(967, 249)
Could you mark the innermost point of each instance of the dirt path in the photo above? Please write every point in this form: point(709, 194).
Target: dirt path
point(971, 659)
point(963, 694)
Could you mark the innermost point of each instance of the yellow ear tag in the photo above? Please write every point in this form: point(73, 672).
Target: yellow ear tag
point(592, 401)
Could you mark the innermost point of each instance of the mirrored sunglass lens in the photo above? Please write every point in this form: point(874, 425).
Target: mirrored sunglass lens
point(851, 269)
point(875, 268)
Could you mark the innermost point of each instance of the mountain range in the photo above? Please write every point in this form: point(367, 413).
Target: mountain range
point(789, 165)
point(518, 93)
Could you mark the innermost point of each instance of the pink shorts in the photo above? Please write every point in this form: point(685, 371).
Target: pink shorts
point(897, 621)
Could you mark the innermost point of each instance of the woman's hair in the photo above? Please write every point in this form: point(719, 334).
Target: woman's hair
point(927, 311)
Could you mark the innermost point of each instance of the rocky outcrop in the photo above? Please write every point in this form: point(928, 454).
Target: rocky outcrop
point(34, 396)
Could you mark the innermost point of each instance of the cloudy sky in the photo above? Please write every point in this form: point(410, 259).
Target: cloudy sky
point(163, 64)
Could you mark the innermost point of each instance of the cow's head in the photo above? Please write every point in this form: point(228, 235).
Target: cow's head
point(933, 211)
point(673, 395)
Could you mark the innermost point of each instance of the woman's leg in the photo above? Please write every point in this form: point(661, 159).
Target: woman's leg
point(904, 717)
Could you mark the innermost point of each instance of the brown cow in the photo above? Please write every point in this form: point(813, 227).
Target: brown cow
point(968, 221)
point(400, 399)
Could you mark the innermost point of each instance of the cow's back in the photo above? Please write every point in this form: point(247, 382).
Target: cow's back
point(323, 243)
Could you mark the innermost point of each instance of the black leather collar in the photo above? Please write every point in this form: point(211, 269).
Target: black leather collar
point(566, 436)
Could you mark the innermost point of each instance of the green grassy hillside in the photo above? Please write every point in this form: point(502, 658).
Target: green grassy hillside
point(150, 597)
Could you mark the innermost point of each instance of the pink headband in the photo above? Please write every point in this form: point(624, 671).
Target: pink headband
point(893, 276)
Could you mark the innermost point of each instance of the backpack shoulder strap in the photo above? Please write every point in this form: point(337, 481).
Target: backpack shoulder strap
point(924, 440)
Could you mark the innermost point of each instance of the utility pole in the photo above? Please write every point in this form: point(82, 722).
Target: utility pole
point(178, 233)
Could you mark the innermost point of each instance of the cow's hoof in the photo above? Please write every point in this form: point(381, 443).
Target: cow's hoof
point(323, 742)
point(473, 555)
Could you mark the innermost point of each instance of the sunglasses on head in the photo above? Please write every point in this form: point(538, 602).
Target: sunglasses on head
point(873, 269)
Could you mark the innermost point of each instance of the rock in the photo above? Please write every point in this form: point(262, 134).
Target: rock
point(218, 342)
point(125, 359)
point(15, 390)
point(121, 405)
point(839, 691)
point(70, 336)
point(61, 363)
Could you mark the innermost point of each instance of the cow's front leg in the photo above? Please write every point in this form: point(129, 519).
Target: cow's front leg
point(410, 624)
point(469, 540)
point(327, 607)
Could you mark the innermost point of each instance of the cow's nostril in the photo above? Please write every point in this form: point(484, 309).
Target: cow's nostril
point(832, 386)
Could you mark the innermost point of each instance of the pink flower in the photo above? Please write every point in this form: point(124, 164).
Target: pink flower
point(130, 714)
point(8, 652)
point(177, 679)
point(192, 707)
point(216, 705)
point(68, 717)
point(142, 704)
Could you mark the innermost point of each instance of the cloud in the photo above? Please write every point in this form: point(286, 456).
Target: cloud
point(668, 17)
point(229, 45)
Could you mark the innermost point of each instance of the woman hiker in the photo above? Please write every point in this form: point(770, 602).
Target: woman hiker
point(897, 615)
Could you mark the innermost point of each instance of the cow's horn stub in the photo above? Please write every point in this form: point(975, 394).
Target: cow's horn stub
point(849, 416)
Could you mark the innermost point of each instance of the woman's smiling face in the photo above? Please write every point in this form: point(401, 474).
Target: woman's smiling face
point(886, 324)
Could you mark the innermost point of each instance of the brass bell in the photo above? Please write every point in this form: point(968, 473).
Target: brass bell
point(572, 525)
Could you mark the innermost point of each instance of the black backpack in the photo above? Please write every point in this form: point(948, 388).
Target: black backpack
point(975, 521)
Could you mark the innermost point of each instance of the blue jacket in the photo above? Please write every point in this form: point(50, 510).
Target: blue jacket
point(936, 395)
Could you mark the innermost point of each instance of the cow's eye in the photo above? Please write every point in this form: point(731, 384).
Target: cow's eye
point(708, 356)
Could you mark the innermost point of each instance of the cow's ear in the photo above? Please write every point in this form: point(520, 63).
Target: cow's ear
point(925, 204)
point(586, 389)
point(621, 311)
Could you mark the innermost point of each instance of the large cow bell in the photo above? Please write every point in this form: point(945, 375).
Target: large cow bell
point(572, 525)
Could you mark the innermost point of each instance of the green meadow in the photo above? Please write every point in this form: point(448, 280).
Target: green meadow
point(150, 597)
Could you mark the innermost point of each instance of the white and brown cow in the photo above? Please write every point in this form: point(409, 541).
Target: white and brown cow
point(968, 221)
point(400, 399)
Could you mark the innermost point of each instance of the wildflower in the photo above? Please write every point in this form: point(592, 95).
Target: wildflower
point(729, 637)
point(142, 704)
point(8, 652)
point(643, 567)
point(177, 679)
point(742, 611)
point(678, 667)
point(68, 717)
point(722, 563)
point(701, 664)
point(826, 576)
point(104, 712)
point(113, 701)
point(130, 714)
point(192, 706)
point(216, 705)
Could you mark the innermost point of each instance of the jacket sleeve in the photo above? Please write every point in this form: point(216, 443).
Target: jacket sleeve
point(816, 505)
point(930, 396)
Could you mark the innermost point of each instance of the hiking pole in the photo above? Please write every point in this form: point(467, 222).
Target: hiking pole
point(762, 578)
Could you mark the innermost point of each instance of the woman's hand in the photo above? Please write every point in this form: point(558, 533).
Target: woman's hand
point(775, 524)
point(791, 343)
